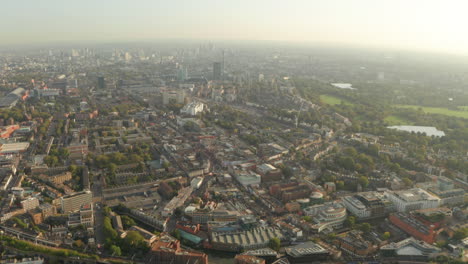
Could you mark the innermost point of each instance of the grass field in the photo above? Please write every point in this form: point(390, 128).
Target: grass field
point(394, 120)
point(333, 100)
point(438, 110)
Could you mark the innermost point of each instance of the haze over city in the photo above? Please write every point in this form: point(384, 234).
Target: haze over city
point(233, 132)
point(429, 25)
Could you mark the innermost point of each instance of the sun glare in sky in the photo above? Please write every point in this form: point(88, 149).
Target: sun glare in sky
point(417, 24)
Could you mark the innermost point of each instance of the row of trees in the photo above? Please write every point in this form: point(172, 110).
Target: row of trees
point(135, 154)
point(122, 109)
point(132, 243)
point(350, 160)
point(56, 157)
point(30, 247)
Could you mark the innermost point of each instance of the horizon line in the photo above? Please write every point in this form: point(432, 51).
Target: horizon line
point(302, 44)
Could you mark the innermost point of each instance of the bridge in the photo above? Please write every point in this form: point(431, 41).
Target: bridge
point(29, 237)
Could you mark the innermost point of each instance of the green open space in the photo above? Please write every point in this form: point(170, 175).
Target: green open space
point(31, 247)
point(438, 110)
point(394, 120)
point(333, 100)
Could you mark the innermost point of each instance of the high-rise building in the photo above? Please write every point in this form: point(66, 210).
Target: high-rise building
point(182, 74)
point(30, 203)
point(217, 71)
point(73, 202)
point(128, 56)
point(101, 82)
point(75, 53)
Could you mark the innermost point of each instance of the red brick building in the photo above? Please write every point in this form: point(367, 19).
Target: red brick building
point(5, 132)
point(414, 227)
point(188, 227)
point(269, 173)
point(353, 243)
point(36, 216)
point(167, 250)
point(293, 207)
point(290, 191)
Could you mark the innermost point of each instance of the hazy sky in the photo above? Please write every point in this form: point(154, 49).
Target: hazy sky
point(440, 25)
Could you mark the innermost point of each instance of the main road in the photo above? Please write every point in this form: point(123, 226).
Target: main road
point(96, 189)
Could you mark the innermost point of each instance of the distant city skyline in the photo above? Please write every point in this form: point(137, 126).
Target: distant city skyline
point(430, 25)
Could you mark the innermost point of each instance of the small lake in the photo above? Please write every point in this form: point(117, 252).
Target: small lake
point(344, 86)
point(429, 131)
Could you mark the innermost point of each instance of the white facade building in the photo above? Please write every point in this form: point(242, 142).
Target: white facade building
point(412, 199)
point(196, 182)
point(48, 92)
point(193, 108)
point(248, 178)
point(356, 207)
point(327, 216)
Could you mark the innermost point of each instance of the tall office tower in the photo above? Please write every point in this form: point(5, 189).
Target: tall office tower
point(222, 68)
point(101, 82)
point(75, 53)
point(217, 71)
point(182, 74)
point(128, 56)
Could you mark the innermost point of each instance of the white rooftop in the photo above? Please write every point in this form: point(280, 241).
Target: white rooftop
point(409, 250)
